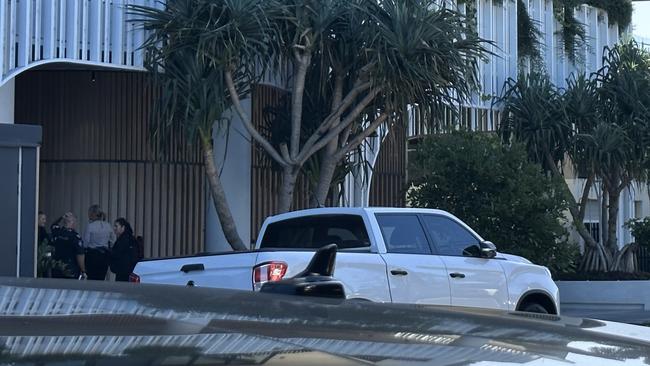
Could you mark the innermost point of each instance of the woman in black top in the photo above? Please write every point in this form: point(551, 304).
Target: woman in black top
point(43, 236)
point(124, 254)
point(68, 248)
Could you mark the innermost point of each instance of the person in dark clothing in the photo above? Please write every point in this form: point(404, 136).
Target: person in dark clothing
point(124, 255)
point(68, 248)
point(43, 236)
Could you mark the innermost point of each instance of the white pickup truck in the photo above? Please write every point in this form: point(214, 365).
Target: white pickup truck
point(400, 255)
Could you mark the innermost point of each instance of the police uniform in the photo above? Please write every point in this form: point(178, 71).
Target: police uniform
point(96, 240)
point(67, 245)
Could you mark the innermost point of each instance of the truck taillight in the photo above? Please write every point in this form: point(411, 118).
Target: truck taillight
point(268, 272)
point(134, 278)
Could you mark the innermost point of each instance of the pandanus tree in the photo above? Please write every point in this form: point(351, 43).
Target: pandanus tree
point(370, 58)
point(620, 140)
point(600, 124)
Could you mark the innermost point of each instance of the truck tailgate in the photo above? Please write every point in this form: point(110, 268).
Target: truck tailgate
point(230, 270)
point(363, 274)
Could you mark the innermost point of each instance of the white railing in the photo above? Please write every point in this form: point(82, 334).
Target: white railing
point(86, 32)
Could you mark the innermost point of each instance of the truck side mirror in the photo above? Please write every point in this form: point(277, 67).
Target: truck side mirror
point(488, 249)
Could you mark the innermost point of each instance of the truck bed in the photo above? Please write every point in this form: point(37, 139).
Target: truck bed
point(361, 272)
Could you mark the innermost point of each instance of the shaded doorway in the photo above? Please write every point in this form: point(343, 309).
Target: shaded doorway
point(96, 149)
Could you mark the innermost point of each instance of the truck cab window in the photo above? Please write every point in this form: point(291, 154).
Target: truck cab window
point(346, 231)
point(403, 234)
point(449, 237)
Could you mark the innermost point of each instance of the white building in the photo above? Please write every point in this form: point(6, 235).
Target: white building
point(50, 48)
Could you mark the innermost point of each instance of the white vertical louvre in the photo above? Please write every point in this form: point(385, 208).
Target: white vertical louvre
point(36, 36)
point(48, 36)
point(592, 52)
point(84, 30)
point(511, 37)
point(3, 37)
point(95, 30)
point(35, 32)
point(119, 27)
point(107, 32)
point(23, 23)
point(12, 35)
point(72, 30)
point(613, 34)
point(60, 27)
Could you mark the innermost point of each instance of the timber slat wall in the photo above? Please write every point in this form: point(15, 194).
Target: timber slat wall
point(388, 184)
point(96, 149)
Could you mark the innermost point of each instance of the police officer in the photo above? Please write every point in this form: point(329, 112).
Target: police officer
point(97, 240)
point(68, 248)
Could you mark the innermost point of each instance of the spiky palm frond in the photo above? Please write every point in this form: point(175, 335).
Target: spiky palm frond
point(624, 94)
point(533, 114)
point(423, 54)
point(582, 112)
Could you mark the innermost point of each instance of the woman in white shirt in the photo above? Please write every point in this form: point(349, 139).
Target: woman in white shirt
point(97, 241)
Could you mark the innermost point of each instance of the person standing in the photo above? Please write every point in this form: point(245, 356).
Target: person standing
point(68, 248)
point(43, 236)
point(124, 255)
point(97, 241)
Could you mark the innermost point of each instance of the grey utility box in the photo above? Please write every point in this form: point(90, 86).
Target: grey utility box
point(19, 149)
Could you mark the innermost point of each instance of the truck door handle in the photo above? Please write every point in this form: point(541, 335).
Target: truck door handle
point(192, 267)
point(398, 272)
point(457, 275)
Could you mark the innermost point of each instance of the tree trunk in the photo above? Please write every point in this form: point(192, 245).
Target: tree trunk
point(219, 199)
point(626, 260)
point(578, 220)
point(612, 220)
point(289, 177)
point(327, 168)
point(595, 259)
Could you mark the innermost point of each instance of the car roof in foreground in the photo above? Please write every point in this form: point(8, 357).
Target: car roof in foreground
point(54, 321)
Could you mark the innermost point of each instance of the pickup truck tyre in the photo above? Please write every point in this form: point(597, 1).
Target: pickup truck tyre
point(533, 307)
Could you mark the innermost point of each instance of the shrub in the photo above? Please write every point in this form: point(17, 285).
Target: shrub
point(498, 192)
point(640, 230)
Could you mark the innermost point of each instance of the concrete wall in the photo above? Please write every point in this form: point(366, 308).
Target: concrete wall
point(233, 156)
point(7, 98)
point(604, 296)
